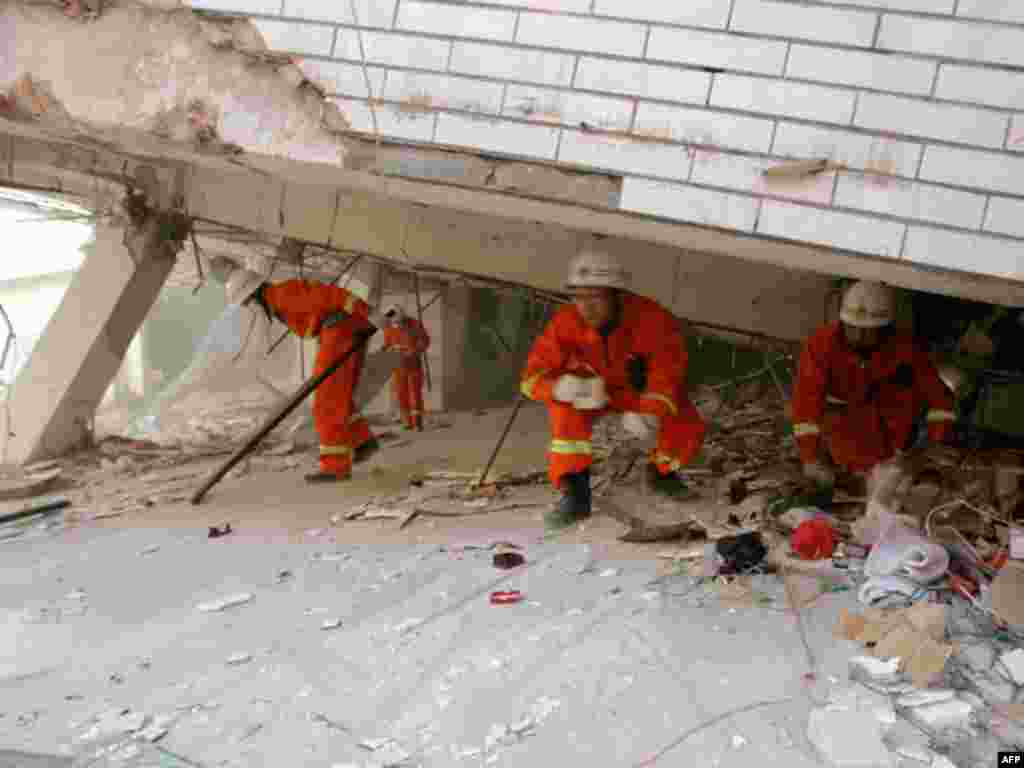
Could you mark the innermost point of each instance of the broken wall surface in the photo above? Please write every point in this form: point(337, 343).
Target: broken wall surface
point(917, 105)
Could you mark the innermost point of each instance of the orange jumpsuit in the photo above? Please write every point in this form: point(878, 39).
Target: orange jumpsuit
point(304, 306)
point(407, 381)
point(865, 408)
point(569, 345)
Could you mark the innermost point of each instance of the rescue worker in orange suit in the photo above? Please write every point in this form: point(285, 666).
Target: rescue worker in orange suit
point(861, 385)
point(611, 350)
point(409, 337)
point(334, 316)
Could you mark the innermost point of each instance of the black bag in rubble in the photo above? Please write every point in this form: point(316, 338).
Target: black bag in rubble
point(740, 553)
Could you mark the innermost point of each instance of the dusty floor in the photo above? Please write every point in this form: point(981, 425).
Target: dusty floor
point(359, 644)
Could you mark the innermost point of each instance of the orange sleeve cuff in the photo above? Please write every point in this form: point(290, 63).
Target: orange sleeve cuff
point(808, 446)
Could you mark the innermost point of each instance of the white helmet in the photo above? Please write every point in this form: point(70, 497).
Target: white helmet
point(596, 269)
point(242, 284)
point(394, 312)
point(868, 304)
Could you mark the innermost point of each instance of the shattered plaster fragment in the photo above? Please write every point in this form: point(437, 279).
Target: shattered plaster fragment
point(224, 603)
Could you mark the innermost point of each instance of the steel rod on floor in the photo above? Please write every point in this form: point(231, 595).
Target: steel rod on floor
point(281, 414)
point(511, 417)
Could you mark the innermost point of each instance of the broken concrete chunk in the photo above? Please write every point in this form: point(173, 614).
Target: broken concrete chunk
point(954, 714)
point(1013, 662)
point(225, 602)
point(848, 738)
point(870, 669)
point(238, 658)
point(330, 624)
point(925, 698)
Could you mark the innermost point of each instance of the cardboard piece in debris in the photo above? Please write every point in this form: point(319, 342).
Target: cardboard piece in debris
point(914, 635)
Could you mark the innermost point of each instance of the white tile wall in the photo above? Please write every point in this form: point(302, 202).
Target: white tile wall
point(779, 97)
point(697, 13)
point(444, 92)
point(557, 6)
point(961, 251)
point(686, 203)
point(746, 174)
point(514, 63)
point(498, 136)
point(1005, 216)
point(864, 234)
point(973, 41)
point(625, 156)
point(635, 78)
point(910, 200)
point(978, 170)
point(370, 13)
point(748, 134)
point(719, 50)
point(915, 117)
point(995, 10)
point(879, 71)
point(857, 150)
point(266, 7)
point(736, 93)
point(1015, 139)
point(981, 85)
point(807, 22)
point(345, 79)
point(391, 122)
point(292, 37)
point(922, 6)
point(393, 50)
point(565, 107)
point(461, 21)
point(580, 34)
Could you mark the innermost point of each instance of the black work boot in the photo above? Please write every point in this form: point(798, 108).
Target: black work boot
point(575, 504)
point(671, 485)
point(328, 477)
point(366, 450)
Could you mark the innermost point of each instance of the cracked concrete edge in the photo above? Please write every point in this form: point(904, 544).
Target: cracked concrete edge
point(29, 96)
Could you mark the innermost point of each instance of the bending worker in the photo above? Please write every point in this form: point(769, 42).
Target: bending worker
point(334, 316)
point(611, 350)
point(409, 337)
point(862, 385)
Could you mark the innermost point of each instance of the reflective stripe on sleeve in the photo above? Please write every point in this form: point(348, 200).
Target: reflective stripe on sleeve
point(805, 429)
point(572, 447)
point(664, 399)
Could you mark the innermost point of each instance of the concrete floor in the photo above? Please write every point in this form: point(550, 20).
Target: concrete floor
point(600, 664)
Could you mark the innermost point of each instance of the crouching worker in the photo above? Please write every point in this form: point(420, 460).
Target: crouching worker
point(611, 350)
point(410, 338)
point(860, 388)
point(335, 317)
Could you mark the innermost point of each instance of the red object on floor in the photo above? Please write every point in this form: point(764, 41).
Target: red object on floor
point(814, 540)
point(963, 586)
point(502, 598)
point(999, 559)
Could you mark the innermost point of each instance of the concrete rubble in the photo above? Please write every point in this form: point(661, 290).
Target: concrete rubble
point(363, 633)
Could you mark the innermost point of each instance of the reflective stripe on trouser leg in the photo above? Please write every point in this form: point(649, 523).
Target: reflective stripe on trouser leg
point(336, 459)
point(679, 439)
point(333, 406)
point(570, 450)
